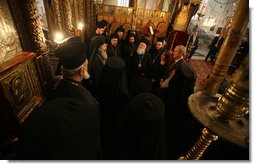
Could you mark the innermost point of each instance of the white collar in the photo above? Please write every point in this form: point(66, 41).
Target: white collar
point(178, 59)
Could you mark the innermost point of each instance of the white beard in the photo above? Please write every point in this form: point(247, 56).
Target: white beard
point(86, 75)
point(104, 55)
point(141, 51)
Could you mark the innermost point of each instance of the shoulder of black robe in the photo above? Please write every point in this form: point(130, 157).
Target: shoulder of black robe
point(140, 85)
point(61, 129)
point(112, 87)
point(112, 93)
point(141, 132)
point(94, 45)
point(78, 91)
point(180, 87)
point(96, 67)
point(112, 50)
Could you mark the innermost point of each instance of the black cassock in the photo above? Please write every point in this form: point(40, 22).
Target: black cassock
point(127, 55)
point(64, 128)
point(113, 50)
point(141, 65)
point(140, 133)
point(96, 66)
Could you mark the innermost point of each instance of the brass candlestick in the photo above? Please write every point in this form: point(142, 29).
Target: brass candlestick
point(222, 115)
point(229, 48)
point(199, 148)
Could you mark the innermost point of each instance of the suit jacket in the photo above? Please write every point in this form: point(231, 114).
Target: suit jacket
point(195, 44)
point(215, 41)
point(175, 96)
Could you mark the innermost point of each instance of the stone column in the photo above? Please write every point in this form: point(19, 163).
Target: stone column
point(134, 16)
point(187, 10)
point(66, 17)
point(37, 39)
point(229, 47)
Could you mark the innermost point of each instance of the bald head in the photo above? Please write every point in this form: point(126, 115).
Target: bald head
point(179, 52)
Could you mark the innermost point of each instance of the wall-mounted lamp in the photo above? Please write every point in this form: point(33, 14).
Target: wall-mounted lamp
point(58, 38)
point(80, 26)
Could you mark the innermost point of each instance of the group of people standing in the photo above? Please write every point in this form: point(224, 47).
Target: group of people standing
point(117, 100)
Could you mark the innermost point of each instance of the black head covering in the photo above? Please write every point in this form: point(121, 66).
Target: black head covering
point(104, 23)
point(141, 132)
point(112, 86)
point(140, 85)
point(120, 29)
point(95, 44)
point(144, 40)
point(101, 41)
point(132, 33)
point(100, 24)
point(62, 129)
point(114, 35)
point(112, 91)
point(160, 39)
point(71, 54)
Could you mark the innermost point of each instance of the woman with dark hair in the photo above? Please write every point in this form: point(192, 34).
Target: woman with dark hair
point(141, 132)
point(159, 68)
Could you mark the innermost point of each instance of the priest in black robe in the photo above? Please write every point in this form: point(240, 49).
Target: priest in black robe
point(66, 127)
point(142, 60)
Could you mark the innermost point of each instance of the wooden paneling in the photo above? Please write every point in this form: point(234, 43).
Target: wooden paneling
point(20, 93)
point(123, 16)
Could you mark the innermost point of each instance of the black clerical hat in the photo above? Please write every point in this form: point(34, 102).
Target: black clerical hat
point(120, 29)
point(72, 55)
point(114, 35)
point(144, 40)
point(160, 39)
point(100, 24)
point(101, 40)
point(104, 22)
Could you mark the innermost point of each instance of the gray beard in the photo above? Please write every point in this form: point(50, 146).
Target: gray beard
point(141, 51)
point(104, 55)
point(86, 75)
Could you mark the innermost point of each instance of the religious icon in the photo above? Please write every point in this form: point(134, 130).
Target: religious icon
point(162, 14)
point(140, 13)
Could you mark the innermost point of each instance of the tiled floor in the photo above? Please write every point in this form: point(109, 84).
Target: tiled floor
point(200, 53)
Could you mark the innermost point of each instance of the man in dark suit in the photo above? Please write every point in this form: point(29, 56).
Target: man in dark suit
point(215, 47)
point(192, 45)
point(176, 86)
